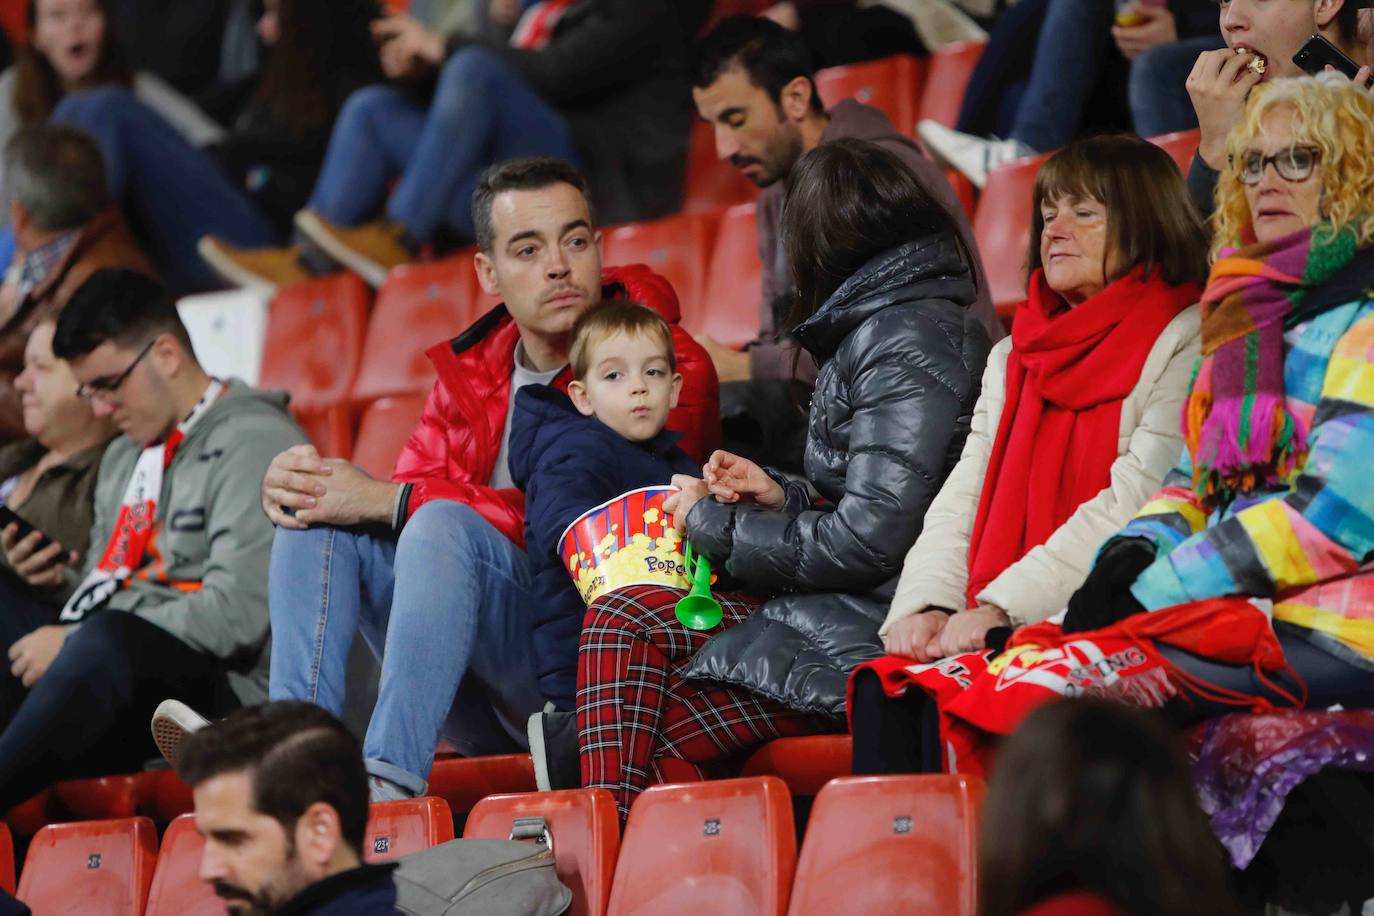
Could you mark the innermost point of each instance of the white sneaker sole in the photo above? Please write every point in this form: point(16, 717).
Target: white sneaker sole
point(373, 274)
point(539, 753)
point(173, 721)
point(231, 271)
point(944, 144)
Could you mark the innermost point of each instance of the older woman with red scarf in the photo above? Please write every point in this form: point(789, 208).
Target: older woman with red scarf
point(1077, 424)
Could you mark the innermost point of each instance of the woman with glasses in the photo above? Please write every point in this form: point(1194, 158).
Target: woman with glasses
point(1273, 498)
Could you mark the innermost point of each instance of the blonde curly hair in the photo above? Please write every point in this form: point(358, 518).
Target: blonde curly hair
point(1337, 118)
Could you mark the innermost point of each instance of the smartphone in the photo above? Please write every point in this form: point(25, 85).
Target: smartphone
point(1314, 56)
point(8, 516)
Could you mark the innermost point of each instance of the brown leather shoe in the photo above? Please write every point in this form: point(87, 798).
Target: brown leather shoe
point(260, 269)
point(369, 250)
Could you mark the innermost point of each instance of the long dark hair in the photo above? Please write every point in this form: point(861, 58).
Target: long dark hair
point(1094, 795)
point(848, 201)
point(317, 38)
point(37, 87)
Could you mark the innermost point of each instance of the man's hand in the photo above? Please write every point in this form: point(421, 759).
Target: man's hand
point(731, 365)
point(31, 655)
point(408, 47)
point(294, 482)
point(505, 13)
point(784, 14)
point(690, 491)
point(1218, 86)
point(967, 631)
point(917, 636)
point(1154, 26)
point(731, 479)
point(41, 568)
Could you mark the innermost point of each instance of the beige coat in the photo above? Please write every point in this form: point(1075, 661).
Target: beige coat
point(1038, 585)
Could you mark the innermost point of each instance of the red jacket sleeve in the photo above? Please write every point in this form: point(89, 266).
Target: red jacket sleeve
point(430, 468)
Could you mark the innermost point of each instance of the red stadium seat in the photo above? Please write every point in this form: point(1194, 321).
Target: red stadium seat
point(398, 828)
point(1001, 227)
point(677, 247)
point(1180, 145)
point(177, 886)
point(947, 76)
point(729, 309)
point(712, 183)
point(805, 764)
point(162, 796)
point(314, 346)
point(464, 781)
point(382, 433)
point(14, 20)
point(99, 799)
point(6, 860)
point(711, 847)
point(90, 867)
point(891, 845)
point(891, 85)
point(418, 306)
point(585, 831)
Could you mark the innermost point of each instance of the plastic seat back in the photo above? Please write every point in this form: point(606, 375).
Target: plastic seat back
point(678, 247)
point(585, 831)
point(806, 763)
point(892, 845)
point(464, 781)
point(727, 846)
point(1001, 228)
point(90, 867)
point(947, 75)
point(892, 85)
point(398, 828)
point(177, 886)
point(385, 426)
point(711, 182)
point(418, 306)
point(729, 308)
point(314, 347)
point(6, 859)
point(1180, 145)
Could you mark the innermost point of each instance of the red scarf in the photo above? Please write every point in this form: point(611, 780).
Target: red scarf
point(1068, 371)
point(535, 29)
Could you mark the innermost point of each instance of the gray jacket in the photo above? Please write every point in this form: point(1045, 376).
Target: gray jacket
point(211, 530)
point(901, 355)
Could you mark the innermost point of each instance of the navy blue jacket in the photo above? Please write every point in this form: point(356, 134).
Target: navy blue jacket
point(369, 890)
point(566, 464)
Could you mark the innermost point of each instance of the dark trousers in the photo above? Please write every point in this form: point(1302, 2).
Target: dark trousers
point(89, 713)
point(893, 735)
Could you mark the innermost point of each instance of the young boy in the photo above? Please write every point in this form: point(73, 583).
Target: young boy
point(572, 452)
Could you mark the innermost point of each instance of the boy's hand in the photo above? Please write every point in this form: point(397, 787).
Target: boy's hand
point(1218, 85)
point(690, 491)
point(31, 656)
point(1154, 25)
point(731, 479)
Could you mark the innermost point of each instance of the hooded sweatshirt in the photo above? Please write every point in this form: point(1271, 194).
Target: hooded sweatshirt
point(204, 573)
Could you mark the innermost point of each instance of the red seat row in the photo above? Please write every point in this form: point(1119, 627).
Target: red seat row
point(895, 844)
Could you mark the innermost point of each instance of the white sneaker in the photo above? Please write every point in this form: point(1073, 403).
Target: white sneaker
point(173, 720)
point(974, 156)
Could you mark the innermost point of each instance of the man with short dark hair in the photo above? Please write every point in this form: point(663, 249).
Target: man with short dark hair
point(1261, 38)
point(753, 83)
point(172, 600)
point(281, 800)
point(430, 565)
point(66, 227)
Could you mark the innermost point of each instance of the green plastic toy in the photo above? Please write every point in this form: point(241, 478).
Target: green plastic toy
point(698, 610)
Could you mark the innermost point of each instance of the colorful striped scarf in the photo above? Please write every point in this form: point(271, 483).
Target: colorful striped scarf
point(1236, 421)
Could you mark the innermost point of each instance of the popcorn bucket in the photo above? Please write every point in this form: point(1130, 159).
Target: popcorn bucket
point(628, 540)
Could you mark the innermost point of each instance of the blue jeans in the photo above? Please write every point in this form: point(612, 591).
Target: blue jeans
point(1070, 55)
point(173, 192)
point(1159, 100)
point(483, 112)
point(448, 600)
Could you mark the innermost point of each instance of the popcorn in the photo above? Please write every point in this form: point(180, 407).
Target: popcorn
point(629, 540)
point(1257, 65)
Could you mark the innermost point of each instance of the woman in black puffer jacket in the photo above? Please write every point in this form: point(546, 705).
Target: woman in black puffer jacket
point(883, 307)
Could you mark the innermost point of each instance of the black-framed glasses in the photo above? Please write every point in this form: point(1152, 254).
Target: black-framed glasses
point(1293, 164)
point(103, 388)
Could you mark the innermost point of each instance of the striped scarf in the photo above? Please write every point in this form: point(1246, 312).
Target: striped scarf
point(1236, 422)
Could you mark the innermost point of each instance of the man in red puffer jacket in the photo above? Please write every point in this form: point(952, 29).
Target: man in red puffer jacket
point(429, 566)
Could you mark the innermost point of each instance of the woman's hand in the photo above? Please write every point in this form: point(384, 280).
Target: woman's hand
point(917, 636)
point(690, 491)
point(733, 479)
point(967, 631)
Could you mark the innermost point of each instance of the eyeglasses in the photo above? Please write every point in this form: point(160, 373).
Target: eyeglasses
point(103, 388)
point(1293, 164)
